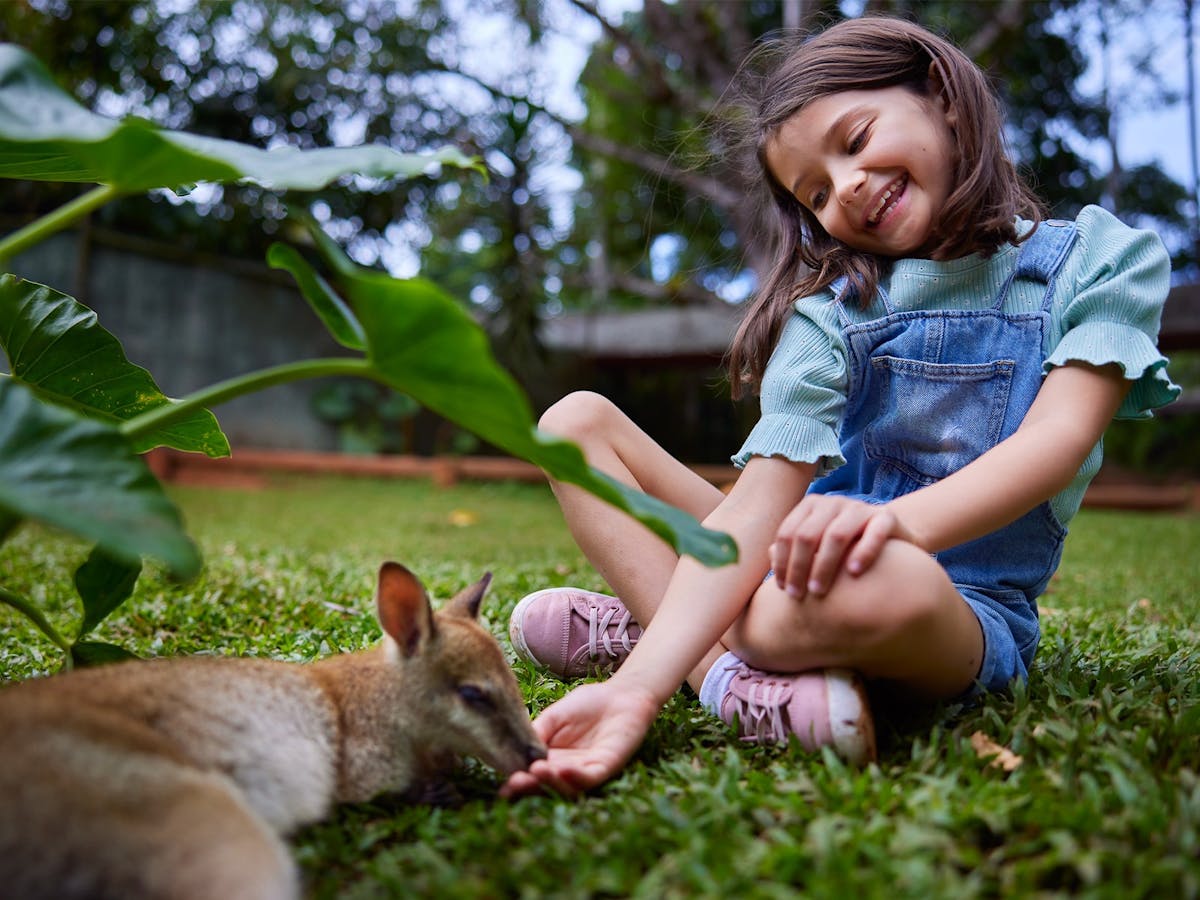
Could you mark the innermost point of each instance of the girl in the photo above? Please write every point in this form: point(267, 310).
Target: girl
point(936, 366)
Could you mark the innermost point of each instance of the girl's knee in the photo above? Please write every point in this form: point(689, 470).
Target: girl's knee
point(577, 414)
point(903, 591)
point(903, 594)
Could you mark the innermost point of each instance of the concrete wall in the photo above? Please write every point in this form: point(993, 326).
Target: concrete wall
point(195, 322)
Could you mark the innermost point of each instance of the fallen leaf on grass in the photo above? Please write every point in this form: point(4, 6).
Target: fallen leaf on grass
point(462, 518)
point(1146, 606)
point(1000, 757)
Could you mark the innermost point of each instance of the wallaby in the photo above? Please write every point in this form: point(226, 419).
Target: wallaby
point(175, 778)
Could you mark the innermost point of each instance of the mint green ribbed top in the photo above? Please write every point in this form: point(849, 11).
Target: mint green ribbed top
point(1107, 307)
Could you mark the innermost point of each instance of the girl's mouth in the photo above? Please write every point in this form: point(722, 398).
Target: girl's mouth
point(887, 200)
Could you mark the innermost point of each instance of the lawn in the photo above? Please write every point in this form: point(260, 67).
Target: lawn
point(1100, 797)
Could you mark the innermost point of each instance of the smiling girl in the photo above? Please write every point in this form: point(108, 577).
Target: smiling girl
point(935, 364)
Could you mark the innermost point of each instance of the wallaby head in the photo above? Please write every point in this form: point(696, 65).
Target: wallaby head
point(463, 697)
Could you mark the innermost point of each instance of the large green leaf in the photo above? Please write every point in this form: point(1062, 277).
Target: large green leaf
point(82, 476)
point(55, 345)
point(423, 343)
point(45, 135)
point(103, 584)
point(325, 302)
point(98, 653)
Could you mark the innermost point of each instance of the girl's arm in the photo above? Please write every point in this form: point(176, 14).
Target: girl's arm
point(594, 730)
point(1073, 407)
point(701, 603)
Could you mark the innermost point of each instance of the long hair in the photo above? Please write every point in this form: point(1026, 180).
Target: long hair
point(866, 54)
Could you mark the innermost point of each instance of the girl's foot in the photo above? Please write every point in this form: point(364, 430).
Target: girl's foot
point(823, 708)
point(573, 633)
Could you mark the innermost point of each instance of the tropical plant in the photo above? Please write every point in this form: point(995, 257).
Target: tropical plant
point(75, 413)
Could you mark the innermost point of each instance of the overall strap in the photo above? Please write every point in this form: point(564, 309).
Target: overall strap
point(843, 292)
point(1042, 256)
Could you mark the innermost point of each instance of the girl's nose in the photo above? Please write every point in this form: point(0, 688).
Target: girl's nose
point(849, 187)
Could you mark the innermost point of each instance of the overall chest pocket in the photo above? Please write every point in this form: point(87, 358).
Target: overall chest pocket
point(934, 418)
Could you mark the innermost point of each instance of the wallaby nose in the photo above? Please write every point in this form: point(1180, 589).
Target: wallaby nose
point(534, 752)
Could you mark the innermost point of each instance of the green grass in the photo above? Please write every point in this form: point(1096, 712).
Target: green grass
point(1105, 801)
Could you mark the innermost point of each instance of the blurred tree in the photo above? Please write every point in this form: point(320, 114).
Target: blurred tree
point(657, 217)
point(320, 73)
point(650, 226)
point(266, 72)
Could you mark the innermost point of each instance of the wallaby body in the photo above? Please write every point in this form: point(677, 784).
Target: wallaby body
point(175, 778)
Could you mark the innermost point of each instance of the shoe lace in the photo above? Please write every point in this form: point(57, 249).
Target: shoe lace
point(599, 633)
point(760, 709)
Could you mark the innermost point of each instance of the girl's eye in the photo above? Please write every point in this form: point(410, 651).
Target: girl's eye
point(818, 200)
point(856, 141)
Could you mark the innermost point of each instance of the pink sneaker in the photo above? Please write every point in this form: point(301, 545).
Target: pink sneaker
point(823, 708)
point(572, 632)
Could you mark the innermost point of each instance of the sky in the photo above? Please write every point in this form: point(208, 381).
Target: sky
point(1147, 132)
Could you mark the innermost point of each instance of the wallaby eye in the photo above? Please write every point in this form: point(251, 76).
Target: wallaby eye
point(474, 696)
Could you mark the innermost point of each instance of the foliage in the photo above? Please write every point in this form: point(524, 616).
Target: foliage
point(369, 419)
point(1105, 800)
point(75, 411)
point(657, 80)
point(1165, 445)
point(658, 219)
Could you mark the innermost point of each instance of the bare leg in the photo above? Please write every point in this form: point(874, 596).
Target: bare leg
point(635, 562)
point(902, 620)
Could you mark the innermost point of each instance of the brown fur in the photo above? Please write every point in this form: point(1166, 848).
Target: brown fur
point(175, 778)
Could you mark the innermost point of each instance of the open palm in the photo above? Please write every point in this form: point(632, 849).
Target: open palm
point(589, 734)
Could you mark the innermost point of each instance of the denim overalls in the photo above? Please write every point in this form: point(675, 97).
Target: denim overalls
point(929, 391)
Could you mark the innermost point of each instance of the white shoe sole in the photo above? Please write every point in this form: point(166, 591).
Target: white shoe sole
point(850, 722)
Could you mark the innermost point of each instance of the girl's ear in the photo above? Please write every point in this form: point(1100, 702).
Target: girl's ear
point(940, 95)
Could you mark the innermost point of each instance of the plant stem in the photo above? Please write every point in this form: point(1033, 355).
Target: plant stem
point(40, 229)
point(31, 612)
point(219, 393)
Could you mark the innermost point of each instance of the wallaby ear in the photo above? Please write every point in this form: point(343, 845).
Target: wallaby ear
point(403, 608)
point(466, 602)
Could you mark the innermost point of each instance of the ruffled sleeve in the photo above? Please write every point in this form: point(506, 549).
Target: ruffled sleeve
point(803, 391)
point(1119, 278)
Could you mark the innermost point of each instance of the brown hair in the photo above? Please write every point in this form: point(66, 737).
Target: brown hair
point(866, 54)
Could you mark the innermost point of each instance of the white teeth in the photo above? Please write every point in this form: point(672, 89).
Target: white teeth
point(873, 218)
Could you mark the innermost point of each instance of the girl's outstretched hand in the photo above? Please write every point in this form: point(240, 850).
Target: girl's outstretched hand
point(824, 533)
point(589, 734)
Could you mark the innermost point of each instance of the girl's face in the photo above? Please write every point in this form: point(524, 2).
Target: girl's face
point(874, 167)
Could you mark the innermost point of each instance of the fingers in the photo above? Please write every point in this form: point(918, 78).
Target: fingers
point(519, 784)
point(877, 532)
point(808, 547)
point(842, 530)
point(562, 773)
point(548, 723)
point(796, 541)
point(824, 534)
point(589, 734)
